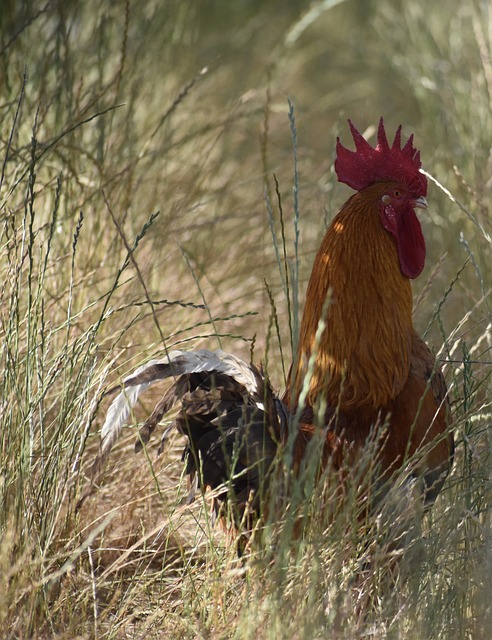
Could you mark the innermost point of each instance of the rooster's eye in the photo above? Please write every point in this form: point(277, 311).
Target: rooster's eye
point(397, 193)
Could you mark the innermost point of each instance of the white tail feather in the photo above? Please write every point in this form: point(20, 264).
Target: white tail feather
point(186, 362)
point(121, 407)
point(176, 363)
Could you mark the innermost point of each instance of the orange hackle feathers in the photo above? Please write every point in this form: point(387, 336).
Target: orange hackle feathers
point(364, 352)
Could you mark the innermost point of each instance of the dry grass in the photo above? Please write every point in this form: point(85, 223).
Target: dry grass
point(157, 128)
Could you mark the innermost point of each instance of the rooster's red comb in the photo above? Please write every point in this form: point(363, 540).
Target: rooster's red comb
point(367, 165)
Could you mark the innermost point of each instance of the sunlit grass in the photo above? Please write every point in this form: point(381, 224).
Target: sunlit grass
point(139, 211)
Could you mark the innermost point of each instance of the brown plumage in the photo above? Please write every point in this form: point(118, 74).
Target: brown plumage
point(369, 363)
point(368, 369)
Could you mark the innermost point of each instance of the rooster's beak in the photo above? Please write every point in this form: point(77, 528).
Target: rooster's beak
point(420, 203)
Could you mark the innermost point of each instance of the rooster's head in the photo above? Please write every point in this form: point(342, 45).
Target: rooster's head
point(403, 188)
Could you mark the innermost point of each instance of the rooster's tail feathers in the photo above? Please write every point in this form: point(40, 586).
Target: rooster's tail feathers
point(179, 365)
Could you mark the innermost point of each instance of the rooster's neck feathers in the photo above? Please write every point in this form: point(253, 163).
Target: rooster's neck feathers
point(363, 356)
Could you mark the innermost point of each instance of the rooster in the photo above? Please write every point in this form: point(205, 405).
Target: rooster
point(360, 367)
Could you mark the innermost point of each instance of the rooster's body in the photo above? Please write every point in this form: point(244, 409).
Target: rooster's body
point(370, 364)
point(367, 370)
